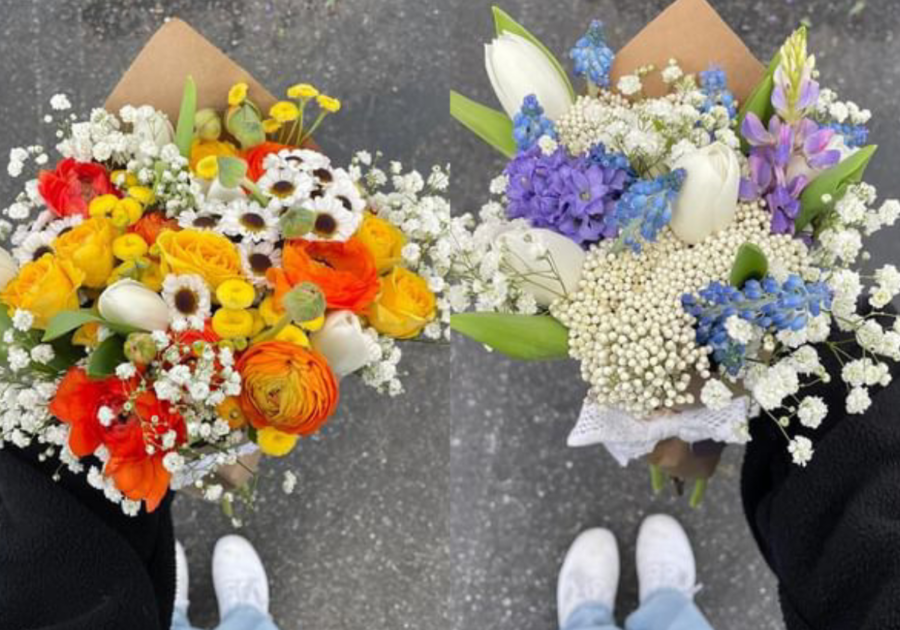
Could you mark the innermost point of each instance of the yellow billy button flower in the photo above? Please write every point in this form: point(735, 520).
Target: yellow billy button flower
point(302, 91)
point(231, 323)
point(123, 179)
point(208, 168)
point(237, 94)
point(258, 322)
point(328, 103)
point(314, 324)
point(293, 334)
point(275, 443)
point(270, 313)
point(102, 206)
point(270, 125)
point(284, 111)
point(235, 294)
point(143, 194)
point(127, 212)
point(130, 247)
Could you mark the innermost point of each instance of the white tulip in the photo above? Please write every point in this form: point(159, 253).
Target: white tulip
point(708, 199)
point(518, 68)
point(131, 303)
point(154, 127)
point(8, 268)
point(342, 342)
point(551, 262)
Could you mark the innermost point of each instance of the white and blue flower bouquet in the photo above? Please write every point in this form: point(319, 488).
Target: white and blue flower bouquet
point(690, 228)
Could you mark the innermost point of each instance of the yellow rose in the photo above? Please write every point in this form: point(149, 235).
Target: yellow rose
point(206, 254)
point(89, 247)
point(404, 307)
point(44, 288)
point(274, 443)
point(201, 149)
point(383, 239)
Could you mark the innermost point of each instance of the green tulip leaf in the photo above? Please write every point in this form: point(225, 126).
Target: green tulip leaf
point(833, 182)
point(749, 264)
point(67, 321)
point(505, 24)
point(232, 171)
point(107, 357)
point(184, 132)
point(526, 337)
point(492, 126)
point(760, 100)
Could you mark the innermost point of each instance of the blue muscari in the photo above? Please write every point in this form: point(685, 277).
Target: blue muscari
point(714, 84)
point(854, 135)
point(593, 59)
point(645, 209)
point(530, 124)
point(766, 304)
point(611, 160)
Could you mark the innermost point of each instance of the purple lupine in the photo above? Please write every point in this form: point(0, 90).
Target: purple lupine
point(569, 195)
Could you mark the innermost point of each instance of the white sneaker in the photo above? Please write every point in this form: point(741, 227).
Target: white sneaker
point(239, 578)
point(664, 557)
point(181, 579)
point(589, 574)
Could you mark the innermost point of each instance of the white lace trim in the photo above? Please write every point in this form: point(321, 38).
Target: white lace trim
point(195, 471)
point(627, 437)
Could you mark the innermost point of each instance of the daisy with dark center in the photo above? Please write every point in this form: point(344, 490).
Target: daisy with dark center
point(250, 221)
point(257, 259)
point(285, 186)
point(345, 190)
point(188, 299)
point(35, 245)
point(300, 159)
point(199, 220)
point(333, 221)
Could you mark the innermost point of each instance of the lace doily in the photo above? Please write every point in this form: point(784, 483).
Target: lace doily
point(627, 437)
point(195, 471)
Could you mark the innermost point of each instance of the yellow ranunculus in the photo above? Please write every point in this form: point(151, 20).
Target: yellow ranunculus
point(206, 254)
point(201, 149)
point(405, 305)
point(236, 294)
point(89, 247)
point(294, 335)
point(231, 323)
point(230, 411)
point(270, 312)
point(275, 443)
point(44, 288)
point(383, 239)
point(130, 247)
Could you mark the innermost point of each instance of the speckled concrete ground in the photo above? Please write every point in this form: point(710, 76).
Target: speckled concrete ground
point(450, 507)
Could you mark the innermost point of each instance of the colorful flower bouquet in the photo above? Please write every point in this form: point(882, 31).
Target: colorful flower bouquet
point(690, 229)
point(178, 296)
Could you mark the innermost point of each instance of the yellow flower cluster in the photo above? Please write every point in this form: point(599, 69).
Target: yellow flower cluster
point(286, 116)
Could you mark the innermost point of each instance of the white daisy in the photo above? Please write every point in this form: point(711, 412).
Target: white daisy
point(257, 259)
point(333, 221)
point(286, 187)
point(345, 190)
point(299, 159)
point(34, 246)
point(194, 220)
point(250, 221)
point(188, 299)
point(61, 226)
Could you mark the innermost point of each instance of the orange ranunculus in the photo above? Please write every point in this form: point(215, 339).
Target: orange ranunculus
point(258, 154)
point(287, 387)
point(69, 189)
point(345, 272)
point(152, 224)
point(137, 474)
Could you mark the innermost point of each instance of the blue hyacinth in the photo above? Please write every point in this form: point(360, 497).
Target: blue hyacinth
point(530, 124)
point(645, 209)
point(854, 135)
point(767, 304)
point(714, 84)
point(593, 59)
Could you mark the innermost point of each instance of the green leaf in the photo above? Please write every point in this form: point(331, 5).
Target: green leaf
point(749, 264)
point(760, 100)
point(505, 24)
point(527, 337)
point(245, 123)
point(67, 321)
point(108, 355)
point(231, 171)
point(184, 133)
point(832, 182)
point(296, 222)
point(492, 126)
point(66, 354)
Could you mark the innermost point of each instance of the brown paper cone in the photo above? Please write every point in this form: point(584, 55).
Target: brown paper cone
point(691, 32)
point(176, 51)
